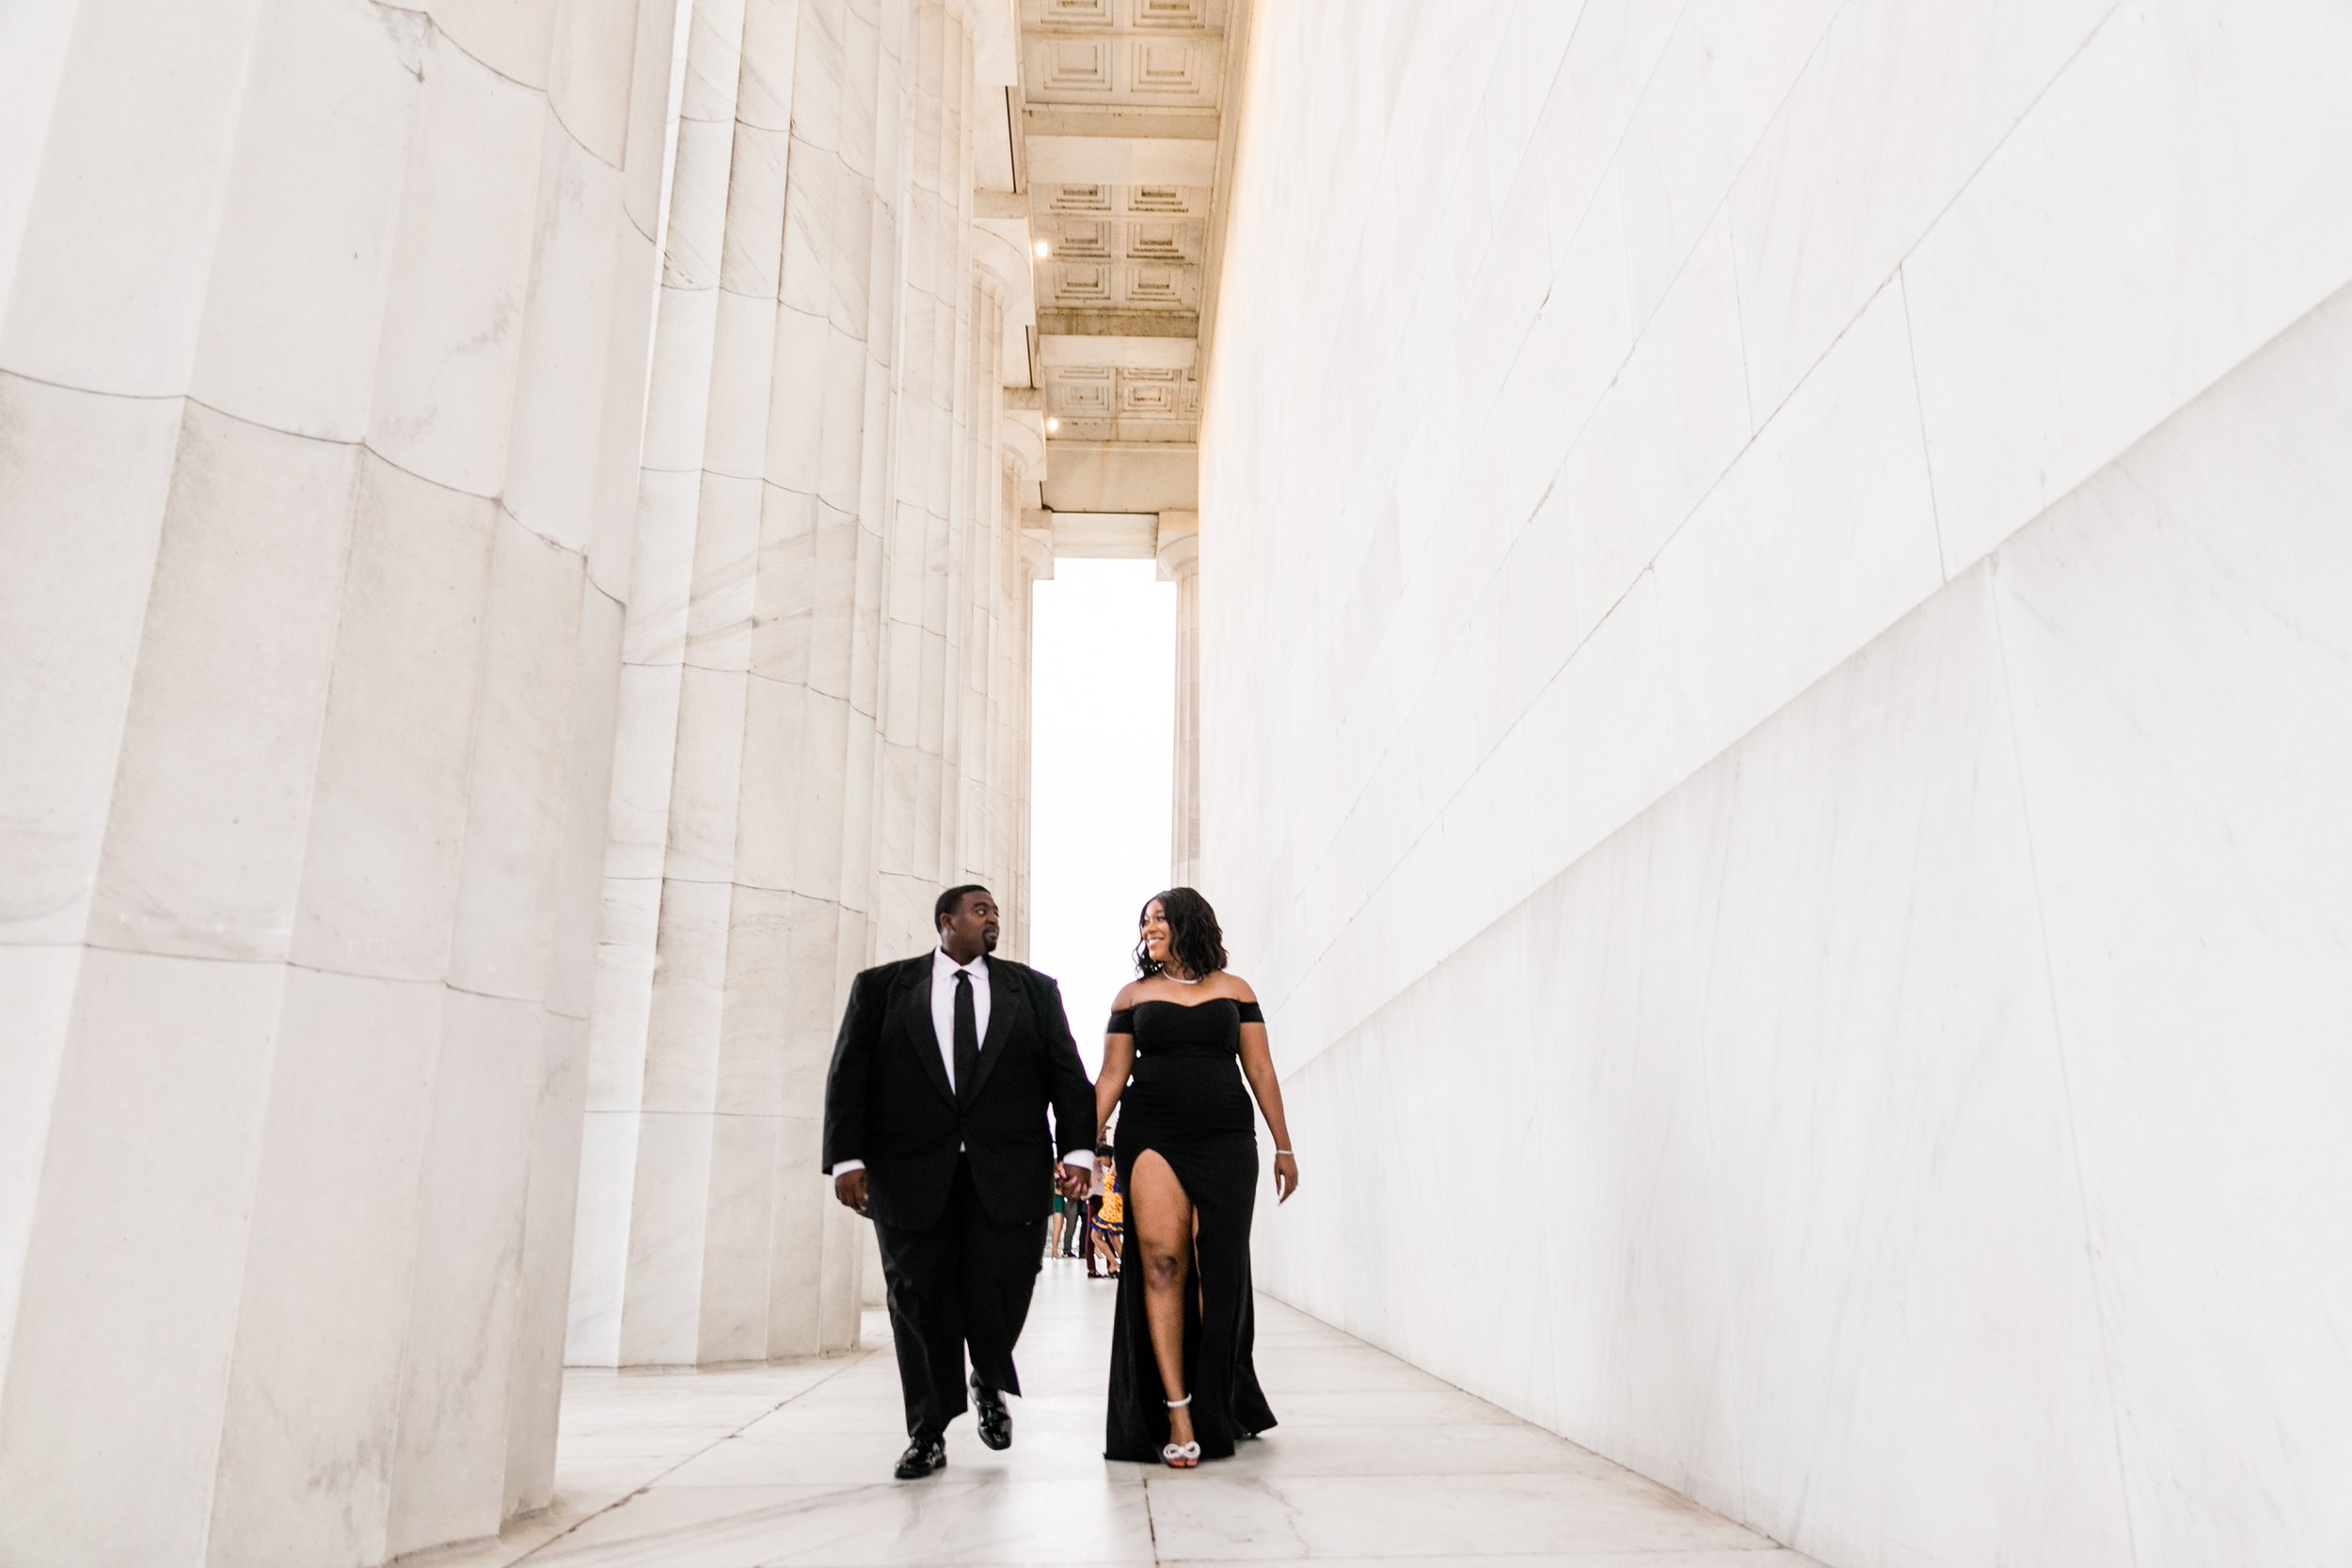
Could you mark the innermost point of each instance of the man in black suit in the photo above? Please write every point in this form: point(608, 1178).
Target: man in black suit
point(935, 1126)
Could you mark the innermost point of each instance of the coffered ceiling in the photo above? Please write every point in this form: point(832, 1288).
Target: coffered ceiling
point(1123, 137)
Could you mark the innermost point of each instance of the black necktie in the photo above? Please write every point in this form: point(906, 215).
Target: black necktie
point(967, 1035)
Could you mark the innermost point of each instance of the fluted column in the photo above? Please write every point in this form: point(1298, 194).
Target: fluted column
point(929, 400)
point(314, 319)
point(808, 754)
point(981, 564)
point(851, 1272)
point(641, 1220)
point(1179, 564)
point(718, 1243)
point(1035, 563)
point(1020, 457)
point(737, 741)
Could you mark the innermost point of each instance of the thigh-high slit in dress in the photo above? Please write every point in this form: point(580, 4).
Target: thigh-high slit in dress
point(1186, 1100)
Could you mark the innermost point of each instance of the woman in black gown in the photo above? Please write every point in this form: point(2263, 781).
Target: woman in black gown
point(1182, 1384)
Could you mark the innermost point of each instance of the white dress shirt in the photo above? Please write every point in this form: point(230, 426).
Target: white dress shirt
point(944, 973)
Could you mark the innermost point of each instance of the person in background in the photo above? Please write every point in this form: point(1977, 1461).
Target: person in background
point(1109, 1227)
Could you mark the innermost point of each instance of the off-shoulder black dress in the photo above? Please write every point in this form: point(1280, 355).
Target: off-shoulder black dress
point(1186, 1100)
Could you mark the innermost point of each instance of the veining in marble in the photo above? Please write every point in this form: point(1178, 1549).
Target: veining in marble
point(1748, 743)
point(2173, 173)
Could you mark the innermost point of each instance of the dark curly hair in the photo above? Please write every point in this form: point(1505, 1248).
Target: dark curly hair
point(1193, 934)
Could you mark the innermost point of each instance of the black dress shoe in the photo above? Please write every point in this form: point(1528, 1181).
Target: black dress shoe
point(921, 1459)
point(996, 1421)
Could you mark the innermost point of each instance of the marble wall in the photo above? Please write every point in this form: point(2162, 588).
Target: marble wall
point(321, 356)
point(451, 459)
point(1770, 653)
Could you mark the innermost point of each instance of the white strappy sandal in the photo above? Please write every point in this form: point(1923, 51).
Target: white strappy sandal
point(1180, 1456)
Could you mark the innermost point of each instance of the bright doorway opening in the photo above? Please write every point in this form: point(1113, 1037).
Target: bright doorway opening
point(1101, 725)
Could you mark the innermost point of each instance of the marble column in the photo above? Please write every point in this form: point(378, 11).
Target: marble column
point(879, 159)
point(817, 638)
point(860, 843)
point(309, 626)
point(930, 399)
point(1020, 458)
point(1179, 564)
point(1035, 556)
point(652, 895)
point(981, 564)
point(705, 1233)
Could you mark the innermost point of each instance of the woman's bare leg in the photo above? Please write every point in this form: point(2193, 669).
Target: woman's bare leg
point(1160, 1210)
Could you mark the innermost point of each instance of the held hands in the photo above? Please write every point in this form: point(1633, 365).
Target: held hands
point(1285, 1176)
point(1074, 1181)
point(850, 1187)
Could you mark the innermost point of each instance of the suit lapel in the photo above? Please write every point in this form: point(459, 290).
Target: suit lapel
point(1006, 994)
point(914, 998)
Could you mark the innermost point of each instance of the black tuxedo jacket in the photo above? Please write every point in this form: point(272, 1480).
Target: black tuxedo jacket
point(887, 1101)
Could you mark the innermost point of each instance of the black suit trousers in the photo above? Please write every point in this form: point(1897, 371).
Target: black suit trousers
point(963, 1281)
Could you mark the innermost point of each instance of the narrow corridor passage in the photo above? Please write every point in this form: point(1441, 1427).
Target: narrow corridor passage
point(1374, 1461)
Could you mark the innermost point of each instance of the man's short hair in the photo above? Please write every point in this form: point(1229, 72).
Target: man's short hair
point(949, 900)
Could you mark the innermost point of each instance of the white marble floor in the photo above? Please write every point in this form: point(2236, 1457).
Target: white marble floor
point(1374, 1461)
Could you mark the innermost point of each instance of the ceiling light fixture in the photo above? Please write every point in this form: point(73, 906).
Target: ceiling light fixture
point(1044, 249)
point(1052, 425)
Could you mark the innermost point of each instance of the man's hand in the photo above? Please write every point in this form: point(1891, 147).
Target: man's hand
point(850, 1187)
point(1074, 1180)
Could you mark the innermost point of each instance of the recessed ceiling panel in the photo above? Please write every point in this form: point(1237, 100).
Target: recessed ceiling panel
point(1122, 100)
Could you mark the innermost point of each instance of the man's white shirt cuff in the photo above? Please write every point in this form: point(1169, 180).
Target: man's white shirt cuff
point(846, 1167)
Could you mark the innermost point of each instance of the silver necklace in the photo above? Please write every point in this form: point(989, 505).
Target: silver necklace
point(1181, 980)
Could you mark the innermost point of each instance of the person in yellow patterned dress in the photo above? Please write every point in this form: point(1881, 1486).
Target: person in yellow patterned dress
point(1110, 1218)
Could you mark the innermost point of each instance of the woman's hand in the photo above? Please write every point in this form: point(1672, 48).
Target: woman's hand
point(1285, 1177)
